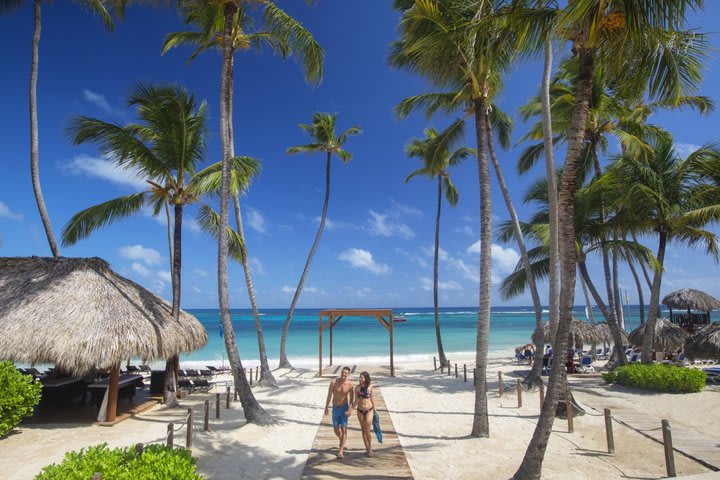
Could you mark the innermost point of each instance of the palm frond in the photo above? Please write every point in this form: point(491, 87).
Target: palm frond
point(209, 221)
point(83, 223)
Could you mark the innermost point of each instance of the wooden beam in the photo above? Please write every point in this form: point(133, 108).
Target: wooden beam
point(320, 330)
point(113, 393)
point(392, 353)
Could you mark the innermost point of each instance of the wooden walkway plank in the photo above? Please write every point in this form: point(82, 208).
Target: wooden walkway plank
point(388, 460)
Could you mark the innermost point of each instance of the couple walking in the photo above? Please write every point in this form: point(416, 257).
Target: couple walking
point(346, 398)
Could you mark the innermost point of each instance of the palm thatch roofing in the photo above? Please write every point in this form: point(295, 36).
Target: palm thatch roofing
point(692, 299)
point(705, 343)
point(605, 335)
point(79, 314)
point(580, 332)
point(668, 336)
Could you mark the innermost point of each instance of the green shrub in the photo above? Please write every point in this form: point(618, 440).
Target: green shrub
point(18, 396)
point(157, 462)
point(659, 377)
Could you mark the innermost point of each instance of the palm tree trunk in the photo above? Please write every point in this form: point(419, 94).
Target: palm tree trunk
point(638, 285)
point(173, 363)
point(284, 362)
point(169, 232)
point(642, 265)
point(34, 142)
point(649, 337)
point(531, 466)
point(554, 284)
point(591, 315)
point(254, 413)
point(538, 335)
point(438, 336)
point(616, 289)
point(480, 424)
point(266, 376)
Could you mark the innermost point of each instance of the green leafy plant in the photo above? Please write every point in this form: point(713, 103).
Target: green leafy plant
point(156, 462)
point(658, 377)
point(18, 396)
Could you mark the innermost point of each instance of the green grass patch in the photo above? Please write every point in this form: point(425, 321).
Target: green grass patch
point(658, 377)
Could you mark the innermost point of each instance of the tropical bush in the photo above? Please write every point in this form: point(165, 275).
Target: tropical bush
point(659, 377)
point(156, 462)
point(18, 396)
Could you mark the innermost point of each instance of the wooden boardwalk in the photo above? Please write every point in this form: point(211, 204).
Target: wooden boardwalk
point(388, 460)
point(688, 442)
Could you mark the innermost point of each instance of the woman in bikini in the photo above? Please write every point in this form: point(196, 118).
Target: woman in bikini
point(365, 406)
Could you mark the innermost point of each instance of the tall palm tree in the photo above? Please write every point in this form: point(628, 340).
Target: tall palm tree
point(664, 194)
point(97, 7)
point(325, 140)
point(225, 24)
point(638, 46)
point(165, 148)
point(435, 165)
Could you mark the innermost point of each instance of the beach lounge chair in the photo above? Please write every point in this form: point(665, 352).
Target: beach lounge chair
point(145, 368)
point(185, 384)
point(217, 370)
point(34, 372)
point(206, 373)
point(634, 358)
point(182, 373)
point(132, 369)
point(586, 365)
point(191, 372)
point(202, 385)
point(713, 375)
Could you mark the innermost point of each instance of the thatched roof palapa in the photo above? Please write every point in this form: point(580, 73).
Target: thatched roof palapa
point(705, 343)
point(78, 314)
point(605, 335)
point(688, 298)
point(668, 336)
point(580, 332)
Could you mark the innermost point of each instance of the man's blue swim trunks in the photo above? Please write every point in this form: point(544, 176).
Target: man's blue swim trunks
point(338, 416)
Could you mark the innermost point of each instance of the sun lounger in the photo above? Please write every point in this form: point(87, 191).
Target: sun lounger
point(206, 373)
point(191, 372)
point(586, 365)
point(133, 369)
point(213, 368)
point(713, 375)
point(145, 368)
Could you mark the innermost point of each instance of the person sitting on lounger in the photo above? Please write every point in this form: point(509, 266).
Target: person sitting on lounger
point(341, 392)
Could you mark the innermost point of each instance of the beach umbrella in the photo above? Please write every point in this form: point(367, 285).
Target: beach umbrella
point(580, 332)
point(705, 343)
point(605, 335)
point(668, 336)
point(79, 314)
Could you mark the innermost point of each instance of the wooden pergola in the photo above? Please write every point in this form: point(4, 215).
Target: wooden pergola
point(333, 316)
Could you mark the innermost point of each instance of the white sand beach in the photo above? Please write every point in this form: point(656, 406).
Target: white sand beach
point(431, 413)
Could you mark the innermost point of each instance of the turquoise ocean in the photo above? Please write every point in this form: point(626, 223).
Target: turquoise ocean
point(365, 340)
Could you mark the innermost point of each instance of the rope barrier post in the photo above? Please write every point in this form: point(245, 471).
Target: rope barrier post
point(449, 365)
point(519, 393)
point(465, 372)
point(139, 448)
point(442, 367)
point(501, 386)
point(434, 363)
point(236, 394)
point(189, 432)
point(609, 431)
point(257, 373)
point(227, 397)
point(206, 419)
point(170, 433)
point(669, 455)
point(251, 372)
point(456, 373)
point(542, 395)
point(217, 405)
point(569, 412)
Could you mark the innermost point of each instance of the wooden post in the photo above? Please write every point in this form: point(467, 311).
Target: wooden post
point(97, 476)
point(206, 419)
point(320, 329)
point(519, 393)
point(456, 374)
point(465, 372)
point(217, 405)
point(449, 372)
point(392, 345)
point(227, 396)
point(139, 449)
point(442, 368)
point(251, 372)
point(501, 386)
point(188, 437)
point(236, 395)
point(170, 433)
point(331, 339)
point(257, 373)
point(569, 412)
point(609, 431)
point(669, 455)
point(434, 363)
point(112, 393)
point(542, 395)
point(474, 377)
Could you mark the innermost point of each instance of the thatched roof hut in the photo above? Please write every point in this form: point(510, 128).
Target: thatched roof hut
point(580, 332)
point(705, 343)
point(688, 298)
point(605, 335)
point(668, 336)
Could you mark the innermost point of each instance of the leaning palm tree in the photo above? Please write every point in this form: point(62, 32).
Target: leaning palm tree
point(435, 165)
point(165, 149)
point(325, 140)
point(642, 48)
point(97, 7)
point(228, 25)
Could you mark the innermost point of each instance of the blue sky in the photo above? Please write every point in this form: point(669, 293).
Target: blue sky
point(376, 250)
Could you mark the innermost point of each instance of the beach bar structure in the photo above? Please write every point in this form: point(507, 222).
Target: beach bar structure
point(690, 308)
point(80, 315)
point(330, 318)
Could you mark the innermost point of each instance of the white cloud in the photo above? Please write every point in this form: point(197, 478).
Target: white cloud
point(140, 269)
point(381, 225)
point(685, 149)
point(255, 220)
point(165, 276)
point(504, 259)
point(137, 252)
point(306, 289)
point(99, 101)
point(7, 213)
point(334, 225)
point(201, 273)
point(464, 230)
point(105, 170)
point(286, 289)
point(427, 284)
point(196, 289)
point(358, 292)
point(474, 248)
point(413, 258)
point(360, 258)
point(400, 209)
point(256, 266)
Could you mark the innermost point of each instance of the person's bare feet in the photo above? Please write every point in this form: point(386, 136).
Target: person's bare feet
point(340, 455)
point(369, 453)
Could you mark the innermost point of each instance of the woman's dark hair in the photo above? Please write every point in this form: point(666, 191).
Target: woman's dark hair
point(366, 375)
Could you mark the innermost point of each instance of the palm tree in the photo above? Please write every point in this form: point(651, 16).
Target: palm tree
point(225, 24)
point(638, 48)
point(165, 148)
point(97, 7)
point(325, 140)
point(664, 194)
point(435, 165)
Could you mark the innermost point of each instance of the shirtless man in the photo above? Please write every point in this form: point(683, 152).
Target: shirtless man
point(341, 392)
